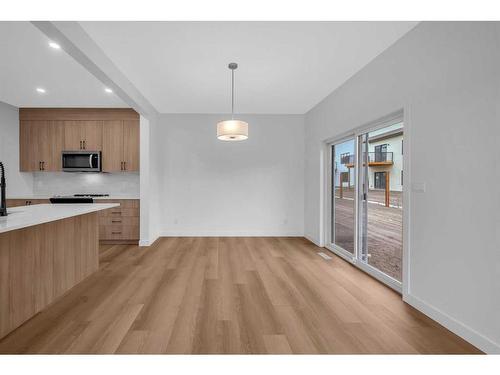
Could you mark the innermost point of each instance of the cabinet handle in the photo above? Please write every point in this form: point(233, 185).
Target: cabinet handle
point(39, 165)
point(43, 165)
point(80, 145)
point(84, 145)
point(116, 232)
point(124, 165)
point(116, 212)
point(116, 221)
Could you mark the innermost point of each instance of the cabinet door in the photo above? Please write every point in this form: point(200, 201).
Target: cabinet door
point(50, 145)
point(131, 145)
point(27, 162)
point(32, 136)
point(73, 136)
point(112, 146)
point(92, 135)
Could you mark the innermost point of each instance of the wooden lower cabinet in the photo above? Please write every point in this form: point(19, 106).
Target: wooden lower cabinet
point(120, 224)
point(40, 263)
point(116, 225)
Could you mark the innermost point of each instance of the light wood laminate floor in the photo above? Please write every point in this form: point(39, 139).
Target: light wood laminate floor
point(229, 295)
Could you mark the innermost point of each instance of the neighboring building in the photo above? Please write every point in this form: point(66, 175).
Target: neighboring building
point(385, 160)
point(385, 151)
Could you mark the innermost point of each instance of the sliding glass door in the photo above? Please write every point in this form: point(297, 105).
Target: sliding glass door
point(343, 195)
point(366, 200)
point(381, 199)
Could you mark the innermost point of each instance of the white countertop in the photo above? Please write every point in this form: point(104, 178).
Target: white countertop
point(113, 197)
point(27, 216)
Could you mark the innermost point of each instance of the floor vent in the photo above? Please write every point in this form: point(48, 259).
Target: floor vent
point(324, 256)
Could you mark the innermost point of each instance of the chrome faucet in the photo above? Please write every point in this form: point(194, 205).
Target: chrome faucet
point(3, 201)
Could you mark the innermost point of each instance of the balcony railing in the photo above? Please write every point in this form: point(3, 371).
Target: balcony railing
point(374, 158)
point(380, 157)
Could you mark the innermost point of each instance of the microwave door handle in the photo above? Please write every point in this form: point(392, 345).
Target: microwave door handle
point(90, 160)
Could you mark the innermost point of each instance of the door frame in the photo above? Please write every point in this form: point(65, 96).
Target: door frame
point(329, 244)
point(402, 114)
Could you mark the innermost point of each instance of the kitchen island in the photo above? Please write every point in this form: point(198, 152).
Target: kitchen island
point(45, 250)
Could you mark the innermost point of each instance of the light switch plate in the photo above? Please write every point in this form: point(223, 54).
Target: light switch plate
point(418, 187)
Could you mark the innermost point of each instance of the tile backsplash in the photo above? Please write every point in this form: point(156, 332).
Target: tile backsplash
point(63, 183)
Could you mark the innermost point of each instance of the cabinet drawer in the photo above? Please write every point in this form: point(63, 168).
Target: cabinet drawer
point(119, 232)
point(118, 220)
point(119, 212)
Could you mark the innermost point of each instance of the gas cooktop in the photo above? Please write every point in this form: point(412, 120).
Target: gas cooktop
point(77, 198)
point(91, 195)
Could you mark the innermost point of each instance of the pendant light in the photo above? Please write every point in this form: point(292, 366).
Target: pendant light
point(232, 130)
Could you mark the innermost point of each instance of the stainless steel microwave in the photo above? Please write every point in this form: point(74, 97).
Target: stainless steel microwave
point(81, 161)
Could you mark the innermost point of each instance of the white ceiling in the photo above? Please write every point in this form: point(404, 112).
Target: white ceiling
point(284, 67)
point(181, 67)
point(27, 62)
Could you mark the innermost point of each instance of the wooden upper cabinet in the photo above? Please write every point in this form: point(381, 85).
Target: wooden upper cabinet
point(41, 143)
point(92, 135)
point(131, 145)
point(72, 136)
point(82, 135)
point(112, 146)
point(120, 146)
point(52, 146)
point(46, 132)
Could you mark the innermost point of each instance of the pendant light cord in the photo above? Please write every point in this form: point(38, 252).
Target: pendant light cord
point(232, 94)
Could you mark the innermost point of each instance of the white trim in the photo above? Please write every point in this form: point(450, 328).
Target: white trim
point(325, 199)
point(467, 333)
point(407, 146)
point(309, 238)
point(344, 254)
point(380, 276)
point(229, 233)
point(372, 271)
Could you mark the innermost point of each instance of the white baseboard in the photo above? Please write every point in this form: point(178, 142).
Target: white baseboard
point(310, 238)
point(467, 333)
point(217, 233)
point(148, 242)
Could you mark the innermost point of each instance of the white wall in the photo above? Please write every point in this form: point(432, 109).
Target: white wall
point(48, 184)
point(17, 183)
point(209, 187)
point(446, 76)
point(150, 183)
point(156, 191)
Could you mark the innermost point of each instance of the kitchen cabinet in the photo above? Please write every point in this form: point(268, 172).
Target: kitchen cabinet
point(120, 146)
point(41, 143)
point(119, 224)
point(82, 135)
point(131, 145)
point(46, 132)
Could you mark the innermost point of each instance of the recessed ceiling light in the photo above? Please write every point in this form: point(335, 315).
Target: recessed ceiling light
point(54, 45)
point(40, 90)
point(108, 90)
